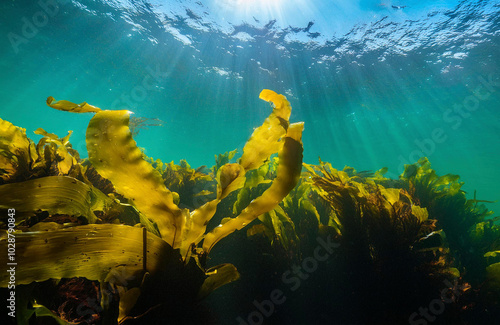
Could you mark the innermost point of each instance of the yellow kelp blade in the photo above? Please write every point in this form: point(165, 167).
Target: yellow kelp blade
point(128, 299)
point(89, 251)
point(16, 150)
point(54, 194)
point(64, 105)
point(265, 139)
point(420, 213)
point(230, 177)
point(115, 155)
point(13, 137)
point(217, 277)
point(288, 174)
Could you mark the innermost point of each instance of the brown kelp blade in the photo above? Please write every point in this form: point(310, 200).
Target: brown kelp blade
point(288, 173)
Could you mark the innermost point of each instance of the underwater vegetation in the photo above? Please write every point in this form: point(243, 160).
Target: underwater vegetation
point(401, 242)
point(149, 246)
point(123, 238)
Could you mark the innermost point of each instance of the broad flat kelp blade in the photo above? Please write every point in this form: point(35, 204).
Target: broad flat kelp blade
point(265, 139)
point(217, 277)
point(115, 155)
point(56, 195)
point(89, 251)
point(288, 174)
point(64, 105)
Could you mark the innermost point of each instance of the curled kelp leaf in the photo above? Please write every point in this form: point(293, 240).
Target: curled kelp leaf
point(89, 251)
point(55, 194)
point(288, 173)
point(265, 139)
point(64, 105)
point(115, 155)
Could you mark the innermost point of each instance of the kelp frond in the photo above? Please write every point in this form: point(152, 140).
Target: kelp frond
point(17, 153)
point(288, 173)
point(446, 202)
point(148, 188)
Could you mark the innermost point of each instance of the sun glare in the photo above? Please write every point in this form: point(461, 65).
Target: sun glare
point(265, 10)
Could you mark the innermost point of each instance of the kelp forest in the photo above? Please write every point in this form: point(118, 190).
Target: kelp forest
point(122, 238)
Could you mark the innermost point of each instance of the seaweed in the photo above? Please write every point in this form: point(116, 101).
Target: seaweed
point(193, 186)
point(136, 233)
point(222, 159)
point(165, 253)
point(387, 242)
point(455, 214)
point(55, 194)
point(17, 153)
point(21, 159)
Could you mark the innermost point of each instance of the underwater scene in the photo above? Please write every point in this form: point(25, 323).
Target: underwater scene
point(250, 162)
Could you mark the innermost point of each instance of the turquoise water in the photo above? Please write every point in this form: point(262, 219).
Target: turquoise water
point(377, 83)
point(371, 82)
